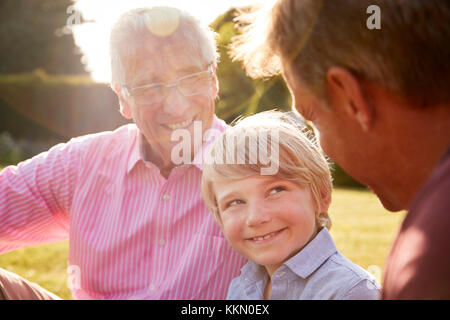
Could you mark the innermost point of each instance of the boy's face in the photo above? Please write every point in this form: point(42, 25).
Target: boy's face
point(265, 218)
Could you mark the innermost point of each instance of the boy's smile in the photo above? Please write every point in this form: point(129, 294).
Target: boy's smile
point(265, 218)
point(267, 236)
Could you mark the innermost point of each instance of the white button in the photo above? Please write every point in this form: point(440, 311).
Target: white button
point(148, 165)
point(162, 242)
point(166, 197)
point(280, 274)
point(152, 287)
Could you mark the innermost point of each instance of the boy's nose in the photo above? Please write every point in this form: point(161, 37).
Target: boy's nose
point(257, 214)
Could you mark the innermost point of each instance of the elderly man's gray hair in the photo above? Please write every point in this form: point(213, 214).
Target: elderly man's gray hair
point(154, 24)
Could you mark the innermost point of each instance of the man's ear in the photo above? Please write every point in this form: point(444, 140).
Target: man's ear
point(125, 109)
point(345, 89)
point(215, 87)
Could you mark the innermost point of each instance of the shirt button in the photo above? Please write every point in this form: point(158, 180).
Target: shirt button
point(152, 287)
point(162, 242)
point(166, 197)
point(280, 274)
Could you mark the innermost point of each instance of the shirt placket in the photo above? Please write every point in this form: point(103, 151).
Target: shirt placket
point(165, 211)
point(161, 240)
point(279, 284)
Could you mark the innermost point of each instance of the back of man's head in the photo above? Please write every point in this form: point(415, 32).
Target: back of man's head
point(409, 54)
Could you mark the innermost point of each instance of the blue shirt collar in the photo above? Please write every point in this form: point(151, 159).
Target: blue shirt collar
point(313, 255)
point(303, 264)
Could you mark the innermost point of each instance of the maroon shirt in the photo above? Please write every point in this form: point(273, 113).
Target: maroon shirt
point(419, 263)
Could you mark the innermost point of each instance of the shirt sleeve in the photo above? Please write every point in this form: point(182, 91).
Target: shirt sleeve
point(35, 197)
point(364, 290)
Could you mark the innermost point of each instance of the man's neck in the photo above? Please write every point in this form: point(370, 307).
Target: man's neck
point(422, 138)
point(164, 163)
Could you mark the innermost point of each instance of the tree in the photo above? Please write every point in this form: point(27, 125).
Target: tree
point(240, 95)
point(31, 37)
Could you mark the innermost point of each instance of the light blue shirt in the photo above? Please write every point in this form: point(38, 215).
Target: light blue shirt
point(318, 272)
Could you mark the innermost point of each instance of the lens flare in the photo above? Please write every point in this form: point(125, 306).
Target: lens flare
point(162, 21)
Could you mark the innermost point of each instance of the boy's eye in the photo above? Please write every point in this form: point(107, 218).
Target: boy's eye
point(276, 190)
point(234, 202)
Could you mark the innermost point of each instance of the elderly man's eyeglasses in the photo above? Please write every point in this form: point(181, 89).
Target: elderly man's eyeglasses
point(155, 93)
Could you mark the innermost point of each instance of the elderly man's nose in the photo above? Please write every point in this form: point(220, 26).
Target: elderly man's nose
point(175, 103)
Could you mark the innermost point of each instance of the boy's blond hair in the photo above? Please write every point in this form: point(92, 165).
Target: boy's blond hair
point(299, 159)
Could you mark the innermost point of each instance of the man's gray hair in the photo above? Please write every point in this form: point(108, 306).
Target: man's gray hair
point(157, 24)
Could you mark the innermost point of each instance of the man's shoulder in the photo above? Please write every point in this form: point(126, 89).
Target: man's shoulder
point(422, 243)
point(118, 137)
point(101, 146)
point(122, 132)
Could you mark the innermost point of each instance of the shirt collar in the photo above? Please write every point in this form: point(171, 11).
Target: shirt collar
point(136, 155)
point(253, 279)
point(303, 264)
point(313, 255)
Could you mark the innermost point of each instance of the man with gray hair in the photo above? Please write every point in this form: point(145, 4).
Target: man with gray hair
point(379, 99)
point(136, 221)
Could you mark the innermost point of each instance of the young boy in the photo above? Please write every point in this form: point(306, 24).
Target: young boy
point(279, 221)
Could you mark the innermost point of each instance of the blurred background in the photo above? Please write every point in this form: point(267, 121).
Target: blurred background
point(54, 72)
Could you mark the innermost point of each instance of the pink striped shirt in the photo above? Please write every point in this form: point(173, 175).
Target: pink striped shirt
point(132, 233)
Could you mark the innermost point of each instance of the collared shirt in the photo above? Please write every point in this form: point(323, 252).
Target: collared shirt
point(317, 272)
point(132, 233)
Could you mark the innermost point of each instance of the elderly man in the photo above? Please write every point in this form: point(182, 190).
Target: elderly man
point(380, 101)
point(137, 224)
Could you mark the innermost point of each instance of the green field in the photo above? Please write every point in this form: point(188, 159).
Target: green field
point(362, 229)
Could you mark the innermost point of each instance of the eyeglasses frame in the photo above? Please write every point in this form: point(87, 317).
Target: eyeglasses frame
point(128, 92)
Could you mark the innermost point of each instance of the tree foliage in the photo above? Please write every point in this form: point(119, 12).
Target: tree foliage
point(240, 95)
point(31, 37)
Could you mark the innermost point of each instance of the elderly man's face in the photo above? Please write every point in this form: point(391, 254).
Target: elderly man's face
point(166, 62)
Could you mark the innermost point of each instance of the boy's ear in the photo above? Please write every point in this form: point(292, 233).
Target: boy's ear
point(346, 92)
point(125, 109)
point(325, 203)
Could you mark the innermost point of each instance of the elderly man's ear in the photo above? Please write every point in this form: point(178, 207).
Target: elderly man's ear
point(215, 82)
point(125, 109)
point(345, 91)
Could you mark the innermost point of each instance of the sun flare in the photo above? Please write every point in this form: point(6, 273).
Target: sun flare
point(93, 37)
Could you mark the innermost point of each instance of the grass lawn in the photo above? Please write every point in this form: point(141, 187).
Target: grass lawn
point(362, 229)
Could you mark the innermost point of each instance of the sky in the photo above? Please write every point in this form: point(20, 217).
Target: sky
point(92, 38)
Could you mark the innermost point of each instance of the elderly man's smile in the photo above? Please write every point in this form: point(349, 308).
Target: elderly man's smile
point(180, 125)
